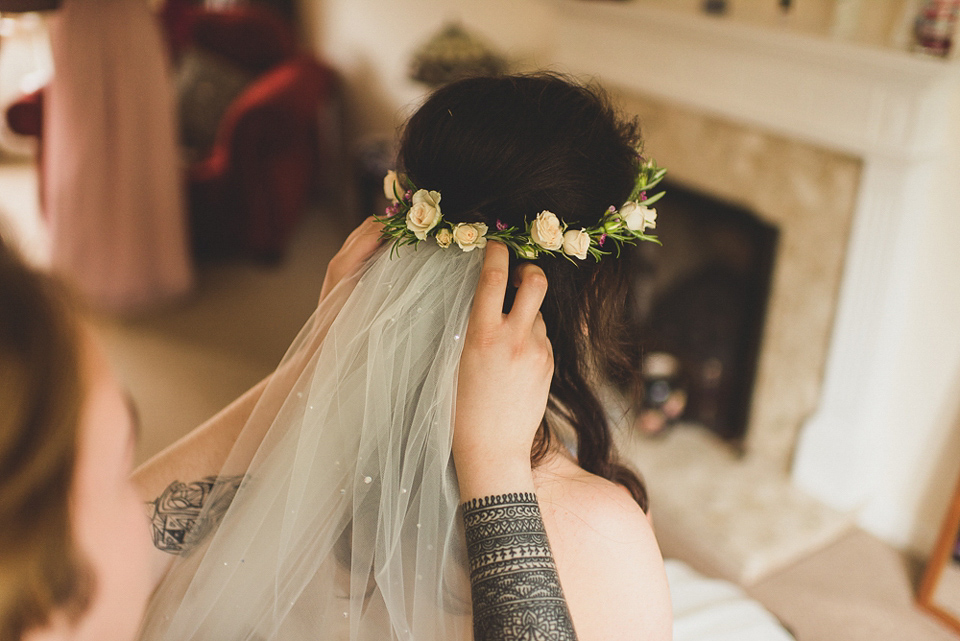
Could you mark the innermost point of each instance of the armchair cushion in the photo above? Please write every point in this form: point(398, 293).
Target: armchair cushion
point(263, 163)
point(207, 85)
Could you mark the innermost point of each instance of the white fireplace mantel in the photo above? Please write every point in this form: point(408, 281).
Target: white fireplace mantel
point(896, 112)
point(845, 97)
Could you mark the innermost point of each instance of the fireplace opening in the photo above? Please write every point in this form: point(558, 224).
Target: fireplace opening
point(702, 301)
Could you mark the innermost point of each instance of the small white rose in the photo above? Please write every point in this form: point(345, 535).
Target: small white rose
point(431, 198)
point(469, 236)
point(650, 218)
point(576, 242)
point(444, 237)
point(424, 213)
point(546, 231)
point(390, 183)
point(638, 217)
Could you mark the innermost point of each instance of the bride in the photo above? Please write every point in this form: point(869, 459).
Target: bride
point(345, 517)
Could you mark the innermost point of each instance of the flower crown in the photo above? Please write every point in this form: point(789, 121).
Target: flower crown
point(414, 215)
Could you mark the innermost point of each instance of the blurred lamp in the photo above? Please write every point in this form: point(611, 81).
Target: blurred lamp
point(451, 54)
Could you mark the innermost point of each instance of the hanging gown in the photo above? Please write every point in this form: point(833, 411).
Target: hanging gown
point(113, 188)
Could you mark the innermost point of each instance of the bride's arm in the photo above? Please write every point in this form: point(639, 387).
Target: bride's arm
point(502, 390)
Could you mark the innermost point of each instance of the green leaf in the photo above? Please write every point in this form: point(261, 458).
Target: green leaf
point(653, 183)
point(653, 199)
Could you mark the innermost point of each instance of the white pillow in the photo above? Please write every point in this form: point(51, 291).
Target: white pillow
point(716, 610)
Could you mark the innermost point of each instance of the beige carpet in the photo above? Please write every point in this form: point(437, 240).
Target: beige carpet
point(857, 589)
point(184, 364)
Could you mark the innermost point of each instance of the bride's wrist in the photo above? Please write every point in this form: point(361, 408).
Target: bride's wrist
point(493, 476)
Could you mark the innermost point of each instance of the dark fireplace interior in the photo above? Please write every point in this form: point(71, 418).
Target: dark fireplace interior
point(702, 300)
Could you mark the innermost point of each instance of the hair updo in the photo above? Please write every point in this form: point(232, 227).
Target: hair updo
point(505, 148)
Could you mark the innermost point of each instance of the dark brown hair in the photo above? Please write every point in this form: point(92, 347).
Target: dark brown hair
point(40, 404)
point(505, 148)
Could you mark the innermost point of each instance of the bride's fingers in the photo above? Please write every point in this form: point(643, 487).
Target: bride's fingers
point(539, 328)
point(538, 334)
point(530, 293)
point(487, 309)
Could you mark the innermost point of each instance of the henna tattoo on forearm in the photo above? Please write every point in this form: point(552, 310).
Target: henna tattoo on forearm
point(178, 517)
point(513, 577)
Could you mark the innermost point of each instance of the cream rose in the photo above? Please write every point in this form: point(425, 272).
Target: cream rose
point(391, 182)
point(649, 218)
point(576, 242)
point(637, 217)
point(546, 231)
point(424, 213)
point(444, 237)
point(469, 236)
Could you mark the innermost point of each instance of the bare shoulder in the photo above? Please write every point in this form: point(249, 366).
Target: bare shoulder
point(607, 555)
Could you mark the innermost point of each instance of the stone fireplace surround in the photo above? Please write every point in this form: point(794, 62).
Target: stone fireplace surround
point(808, 193)
point(838, 145)
point(753, 518)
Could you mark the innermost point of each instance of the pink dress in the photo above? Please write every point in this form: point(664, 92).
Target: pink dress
point(113, 187)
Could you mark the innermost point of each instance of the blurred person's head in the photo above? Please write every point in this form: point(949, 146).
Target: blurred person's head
point(73, 559)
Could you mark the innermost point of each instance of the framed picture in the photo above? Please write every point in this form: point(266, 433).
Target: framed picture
point(935, 27)
point(940, 589)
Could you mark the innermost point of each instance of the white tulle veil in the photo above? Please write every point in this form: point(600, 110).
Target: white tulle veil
point(346, 524)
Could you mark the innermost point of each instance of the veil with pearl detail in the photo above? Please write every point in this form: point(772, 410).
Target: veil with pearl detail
point(346, 523)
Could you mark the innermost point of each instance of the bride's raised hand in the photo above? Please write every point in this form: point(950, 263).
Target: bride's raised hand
point(358, 247)
point(503, 382)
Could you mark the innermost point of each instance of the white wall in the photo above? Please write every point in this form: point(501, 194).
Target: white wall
point(923, 454)
point(371, 42)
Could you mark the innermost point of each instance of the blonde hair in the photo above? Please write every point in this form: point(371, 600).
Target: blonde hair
point(40, 403)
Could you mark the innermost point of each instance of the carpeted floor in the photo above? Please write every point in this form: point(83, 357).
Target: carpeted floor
point(857, 589)
point(184, 364)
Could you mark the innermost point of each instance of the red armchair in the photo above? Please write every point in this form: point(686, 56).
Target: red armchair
point(250, 189)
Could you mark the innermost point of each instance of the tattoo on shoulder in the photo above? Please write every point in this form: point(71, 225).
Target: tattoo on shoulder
point(186, 513)
point(513, 577)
